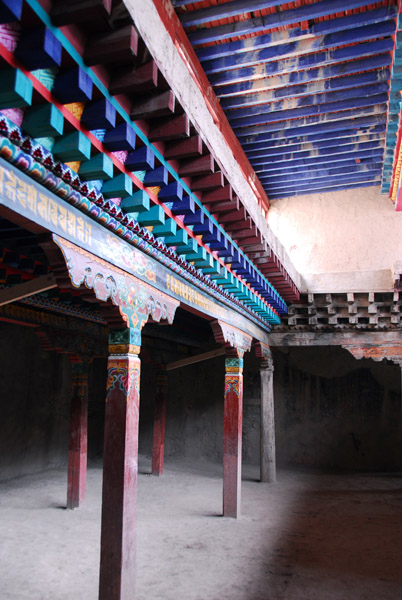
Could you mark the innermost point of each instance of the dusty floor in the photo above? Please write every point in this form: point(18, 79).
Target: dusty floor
point(311, 536)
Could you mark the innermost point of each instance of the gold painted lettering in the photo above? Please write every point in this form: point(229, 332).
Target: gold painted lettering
point(71, 223)
point(11, 186)
point(43, 207)
point(63, 218)
point(53, 212)
point(32, 198)
point(22, 193)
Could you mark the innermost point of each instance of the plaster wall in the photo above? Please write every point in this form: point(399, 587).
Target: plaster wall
point(35, 404)
point(331, 410)
point(335, 411)
point(194, 415)
point(340, 241)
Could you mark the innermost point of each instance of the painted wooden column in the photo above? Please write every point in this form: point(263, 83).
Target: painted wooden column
point(77, 445)
point(120, 468)
point(232, 437)
point(158, 449)
point(236, 343)
point(267, 427)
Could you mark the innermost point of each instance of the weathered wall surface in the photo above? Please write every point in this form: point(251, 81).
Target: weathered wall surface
point(34, 396)
point(331, 410)
point(340, 241)
point(335, 411)
point(194, 416)
point(35, 404)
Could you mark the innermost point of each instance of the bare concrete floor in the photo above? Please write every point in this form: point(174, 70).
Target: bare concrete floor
point(311, 536)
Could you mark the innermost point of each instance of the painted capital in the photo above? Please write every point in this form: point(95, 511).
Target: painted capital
point(387, 351)
point(264, 352)
point(136, 300)
point(232, 337)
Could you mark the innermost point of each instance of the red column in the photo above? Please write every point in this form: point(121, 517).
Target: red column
point(77, 447)
point(232, 437)
point(158, 449)
point(120, 470)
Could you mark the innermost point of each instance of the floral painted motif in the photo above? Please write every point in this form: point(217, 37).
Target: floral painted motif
point(124, 378)
point(135, 299)
point(232, 384)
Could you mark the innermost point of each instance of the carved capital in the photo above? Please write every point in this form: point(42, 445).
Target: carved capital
point(231, 337)
point(136, 300)
point(264, 352)
point(387, 351)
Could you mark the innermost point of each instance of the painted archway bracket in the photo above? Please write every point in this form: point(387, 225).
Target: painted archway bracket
point(136, 300)
point(387, 351)
point(264, 352)
point(235, 340)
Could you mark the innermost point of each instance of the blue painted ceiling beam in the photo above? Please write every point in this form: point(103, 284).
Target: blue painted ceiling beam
point(319, 128)
point(305, 164)
point(316, 99)
point(279, 19)
point(298, 49)
point(375, 183)
point(282, 126)
point(298, 63)
point(328, 151)
point(307, 89)
point(312, 175)
point(364, 141)
point(176, 3)
point(224, 11)
point(291, 171)
point(317, 137)
point(307, 76)
point(334, 180)
point(283, 36)
point(308, 111)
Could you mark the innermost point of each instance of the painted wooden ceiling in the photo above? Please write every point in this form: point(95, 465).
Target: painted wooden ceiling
point(311, 88)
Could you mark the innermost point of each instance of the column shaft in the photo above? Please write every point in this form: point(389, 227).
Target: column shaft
point(158, 449)
point(267, 460)
point(232, 437)
point(77, 446)
point(120, 471)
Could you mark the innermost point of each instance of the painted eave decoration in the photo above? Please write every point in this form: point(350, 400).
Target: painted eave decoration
point(310, 88)
point(86, 112)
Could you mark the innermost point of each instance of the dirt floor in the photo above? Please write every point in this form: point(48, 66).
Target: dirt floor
point(311, 536)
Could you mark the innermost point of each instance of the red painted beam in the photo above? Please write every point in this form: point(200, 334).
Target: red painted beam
point(234, 216)
point(218, 195)
point(168, 129)
point(156, 106)
point(158, 448)
point(240, 225)
point(140, 79)
point(219, 208)
point(120, 471)
point(202, 165)
point(77, 445)
point(208, 182)
point(119, 46)
point(78, 11)
point(184, 148)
